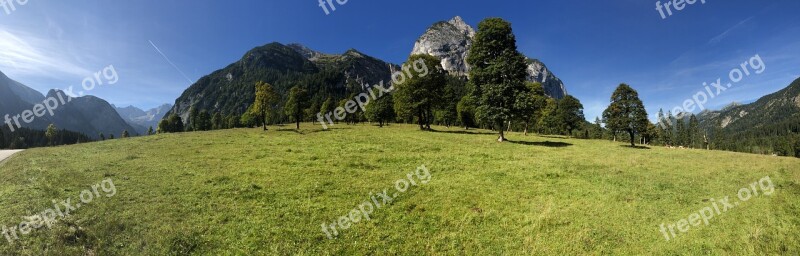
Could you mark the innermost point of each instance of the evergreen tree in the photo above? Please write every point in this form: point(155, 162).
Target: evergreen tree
point(447, 112)
point(233, 121)
point(626, 112)
point(597, 129)
point(216, 122)
point(680, 131)
point(328, 107)
point(549, 123)
point(102, 136)
point(498, 73)
point(570, 112)
point(663, 127)
point(528, 106)
point(194, 116)
point(203, 122)
point(296, 104)
point(466, 112)
point(150, 131)
point(695, 138)
point(125, 134)
point(418, 95)
point(381, 110)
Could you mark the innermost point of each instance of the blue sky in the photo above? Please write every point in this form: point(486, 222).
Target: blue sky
point(591, 45)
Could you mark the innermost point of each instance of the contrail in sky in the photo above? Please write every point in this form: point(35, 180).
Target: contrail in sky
point(170, 62)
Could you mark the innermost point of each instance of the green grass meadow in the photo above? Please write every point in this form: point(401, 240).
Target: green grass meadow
point(249, 192)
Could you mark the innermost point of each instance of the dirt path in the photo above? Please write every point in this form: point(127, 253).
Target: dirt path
point(7, 153)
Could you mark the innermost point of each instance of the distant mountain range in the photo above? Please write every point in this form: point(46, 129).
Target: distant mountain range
point(230, 90)
point(771, 110)
point(88, 114)
point(770, 125)
point(142, 120)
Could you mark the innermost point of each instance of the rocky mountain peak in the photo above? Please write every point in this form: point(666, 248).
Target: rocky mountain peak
point(450, 41)
point(462, 26)
point(308, 53)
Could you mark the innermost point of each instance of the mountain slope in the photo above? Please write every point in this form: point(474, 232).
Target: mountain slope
point(450, 41)
point(770, 125)
point(769, 110)
point(230, 90)
point(88, 114)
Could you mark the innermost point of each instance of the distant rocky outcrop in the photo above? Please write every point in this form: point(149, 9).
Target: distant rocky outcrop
point(451, 40)
point(142, 120)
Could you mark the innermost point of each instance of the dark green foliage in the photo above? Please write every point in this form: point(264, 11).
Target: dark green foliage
point(172, 124)
point(446, 113)
point(626, 112)
point(498, 73)
point(466, 112)
point(548, 121)
point(296, 104)
point(202, 121)
point(422, 90)
point(233, 121)
point(23, 138)
point(570, 113)
point(217, 122)
point(125, 134)
point(381, 110)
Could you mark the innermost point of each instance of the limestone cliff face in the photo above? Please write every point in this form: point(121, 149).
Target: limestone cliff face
point(450, 41)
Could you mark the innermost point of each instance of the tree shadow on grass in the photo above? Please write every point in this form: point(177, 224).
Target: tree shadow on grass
point(554, 136)
point(289, 130)
point(329, 129)
point(634, 147)
point(473, 132)
point(549, 144)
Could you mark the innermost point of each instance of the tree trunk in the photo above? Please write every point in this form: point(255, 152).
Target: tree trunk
point(633, 141)
point(502, 136)
point(526, 128)
point(298, 125)
point(420, 119)
point(264, 120)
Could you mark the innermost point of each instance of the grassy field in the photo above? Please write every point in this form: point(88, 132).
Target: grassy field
point(248, 192)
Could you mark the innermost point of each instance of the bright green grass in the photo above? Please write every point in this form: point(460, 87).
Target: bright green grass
point(248, 192)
